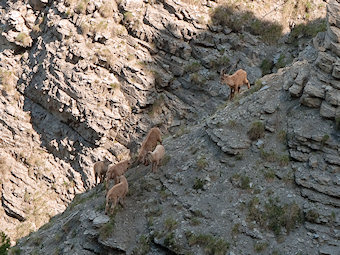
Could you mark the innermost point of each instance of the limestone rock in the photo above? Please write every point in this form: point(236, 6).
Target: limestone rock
point(333, 97)
point(309, 101)
point(296, 90)
point(327, 111)
point(314, 89)
point(336, 70)
point(325, 62)
point(334, 33)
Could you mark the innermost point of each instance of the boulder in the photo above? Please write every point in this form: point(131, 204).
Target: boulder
point(333, 97)
point(314, 88)
point(325, 62)
point(336, 71)
point(327, 111)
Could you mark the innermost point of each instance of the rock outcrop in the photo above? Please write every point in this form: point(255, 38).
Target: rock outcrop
point(317, 83)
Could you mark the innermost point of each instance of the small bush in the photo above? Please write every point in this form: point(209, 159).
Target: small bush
point(211, 244)
point(197, 79)
point(143, 246)
point(192, 67)
point(14, 251)
point(5, 243)
point(275, 216)
point(337, 123)
point(256, 130)
point(288, 216)
point(202, 162)
point(271, 156)
point(81, 6)
point(107, 229)
point(281, 61)
point(170, 241)
point(312, 216)
point(308, 30)
point(114, 85)
point(199, 184)
point(23, 38)
point(170, 224)
point(269, 175)
point(235, 229)
point(266, 66)
point(283, 160)
point(239, 20)
point(6, 80)
point(220, 61)
point(195, 221)
point(245, 182)
point(260, 246)
point(239, 156)
point(282, 136)
point(324, 139)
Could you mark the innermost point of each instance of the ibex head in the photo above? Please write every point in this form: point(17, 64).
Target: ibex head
point(222, 72)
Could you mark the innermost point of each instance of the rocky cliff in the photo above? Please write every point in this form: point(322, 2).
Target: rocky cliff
point(83, 80)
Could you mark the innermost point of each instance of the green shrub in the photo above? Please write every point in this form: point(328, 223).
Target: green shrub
point(260, 246)
point(269, 174)
point(170, 224)
point(308, 30)
point(220, 61)
point(281, 61)
point(245, 182)
point(282, 136)
point(266, 66)
point(312, 216)
point(201, 162)
point(210, 243)
point(14, 251)
point(199, 183)
point(192, 67)
point(237, 20)
point(107, 229)
point(235, 229)
point(275, 216)
point(197, 79)
point(23, 38)
point(256, 130)
point(143, 246)
point(5, 243)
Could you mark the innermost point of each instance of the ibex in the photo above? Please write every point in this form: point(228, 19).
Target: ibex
point(235, 81)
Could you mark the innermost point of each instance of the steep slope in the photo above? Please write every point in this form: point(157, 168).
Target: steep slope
point(83, 80)
point(252, 177)
point(206, 200)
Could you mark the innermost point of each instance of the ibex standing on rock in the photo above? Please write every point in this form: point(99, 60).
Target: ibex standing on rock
point(235, 81)
point(116, 194)
point(150, 142)
point(100, 169)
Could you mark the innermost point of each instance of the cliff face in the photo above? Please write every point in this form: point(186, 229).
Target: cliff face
point(84, 80)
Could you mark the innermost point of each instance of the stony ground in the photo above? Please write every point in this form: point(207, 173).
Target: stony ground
point(84, 80)
point(215, 194)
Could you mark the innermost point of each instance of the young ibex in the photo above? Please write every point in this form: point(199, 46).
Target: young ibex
point(155, 157)
point(235, 81)
point(100, 169)
point(150, 142)
point(114, 171)
point(116, 194)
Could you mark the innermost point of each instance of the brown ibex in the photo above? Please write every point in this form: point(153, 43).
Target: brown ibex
point(235, 81)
